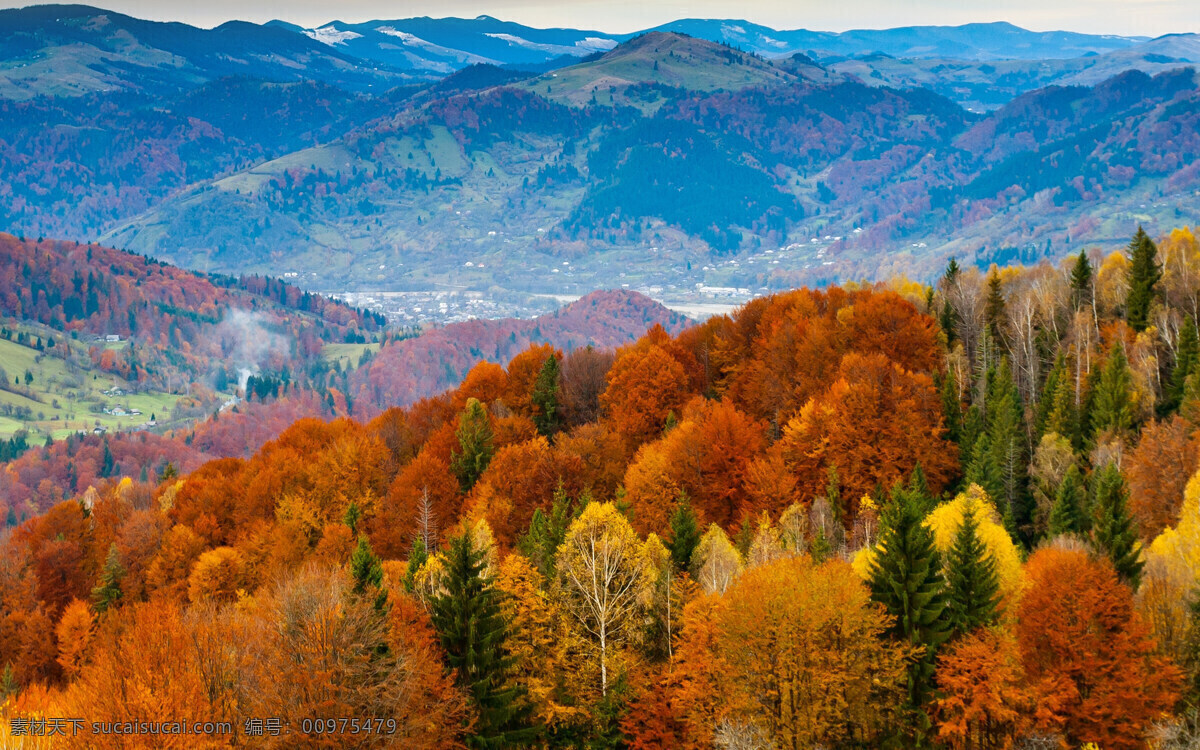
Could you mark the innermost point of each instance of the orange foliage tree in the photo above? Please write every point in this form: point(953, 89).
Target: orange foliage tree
point(875, 423)
point(520, 479)
point(1087, 654)
point(983, 700)
point(644, 386)
point(707, 454)
point(1158, 469)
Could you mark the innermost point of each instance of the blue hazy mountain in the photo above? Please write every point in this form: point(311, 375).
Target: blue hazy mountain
point(445, 44)
point(72, 50)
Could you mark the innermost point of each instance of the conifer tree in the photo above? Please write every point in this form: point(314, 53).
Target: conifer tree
point(1144, 273)
point(107, 463)
point(906, 578)
point(366, 573)
point(685, 533)
point(1112, 408)
point(820, 549)
point(472, 631)
point(1187, 352)
point(1063, 418)
point(948, 318)
point(8, 682)
point(416, 560)
point(475, 448)
point(994, 310)
point(951, 407)
point(972, 428)
point(918, 486)
point(982, 469)
point(1001, 464)
point(547, 530)
point(972, 584)
point(1081, 281)
point(1066, 516)
point(352, 516)
point(545, 398)
point(1113, 529)
point(1045, 405)
point(108, 591)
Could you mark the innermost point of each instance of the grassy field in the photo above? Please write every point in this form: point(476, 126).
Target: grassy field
point(347, 354)
point(68, 396)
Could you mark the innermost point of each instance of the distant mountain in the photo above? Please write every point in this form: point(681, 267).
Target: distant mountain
point(672, 162)
point(667, 162)
point(985, 85)
point(443, 45)
point(72, 50)
point(73, 166)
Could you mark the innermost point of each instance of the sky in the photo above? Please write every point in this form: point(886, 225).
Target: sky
point(1126, 17)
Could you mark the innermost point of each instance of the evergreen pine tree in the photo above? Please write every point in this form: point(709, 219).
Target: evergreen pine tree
point(1144, 273)
point(545, 398)
point(475, 445)
point(8, 682)
point(951, 407)
point(366, 574)
point(1081, 281)
point(1066, 517)
point(1113, 529)
point(352, 516)
point(918, 485)
point(906, 578)
point(1112, 407)
point(994, 309)
point(107, 464)
point(948, 318)
point(820, 549)
point(473, 633)
point(416, 560)
point(1045, 405)
point(983, 471)
point(546, 532)
point(1187, 352)
point(972, 428)
point(108, 591)
point(685, 533)
point(1063, 418)
point(1006, 442)
point(972, 584)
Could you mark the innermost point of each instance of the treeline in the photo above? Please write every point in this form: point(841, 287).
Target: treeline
point(901, 516)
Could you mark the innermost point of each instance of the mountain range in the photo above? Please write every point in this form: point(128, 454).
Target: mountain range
point(480, 154)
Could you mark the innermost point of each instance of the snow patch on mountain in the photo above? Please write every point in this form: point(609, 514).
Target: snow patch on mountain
point(331, 35)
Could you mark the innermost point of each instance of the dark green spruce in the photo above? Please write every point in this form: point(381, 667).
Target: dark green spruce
point(906, 578)
point(685, 533)
point(472, 631)
point(1143, 275)
point(1066, 516)
point(1113, 529)
point(1187, 352)
point(972, 585)
point(475, 446)
point(108, 591)
point(546, 415)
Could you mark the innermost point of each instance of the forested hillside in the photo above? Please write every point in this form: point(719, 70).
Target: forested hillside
point(188, 327)
point(215, 365)
point(893, 515)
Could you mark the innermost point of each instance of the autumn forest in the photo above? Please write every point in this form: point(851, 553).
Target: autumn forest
point(893, 515)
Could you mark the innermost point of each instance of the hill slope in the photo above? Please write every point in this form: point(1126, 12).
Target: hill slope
point(72, 50)
point(739, 174)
